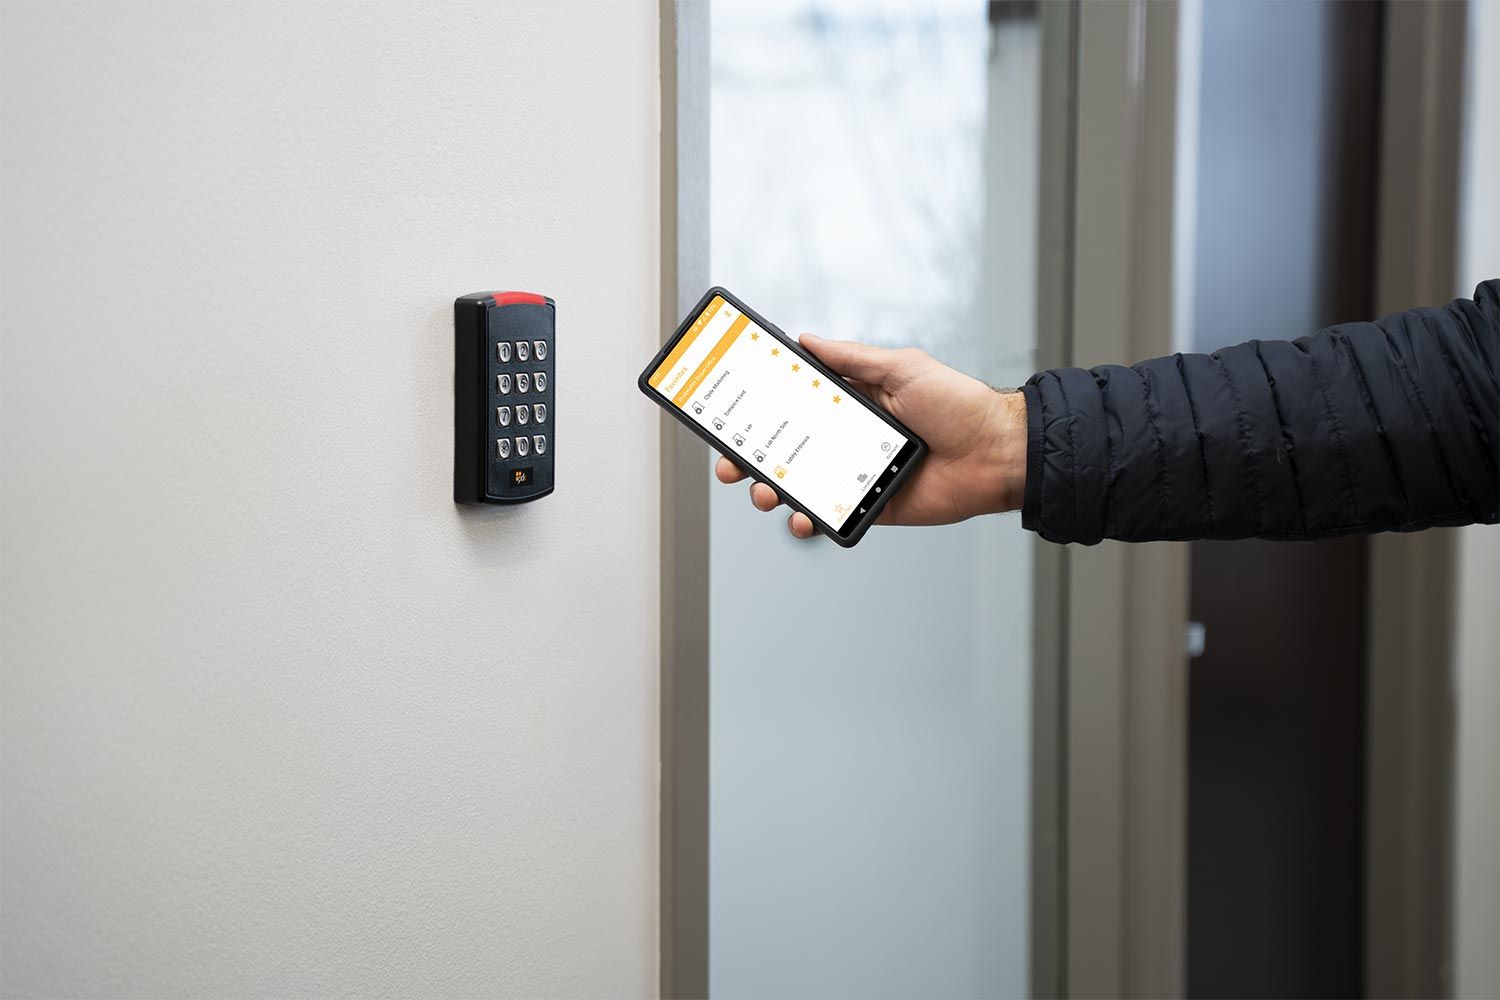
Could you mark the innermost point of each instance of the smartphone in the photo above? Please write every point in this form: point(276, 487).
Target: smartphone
point(754, 394)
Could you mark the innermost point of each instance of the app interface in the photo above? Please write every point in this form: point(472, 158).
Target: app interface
point(774, 412)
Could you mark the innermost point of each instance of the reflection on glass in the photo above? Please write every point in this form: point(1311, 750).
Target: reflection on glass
point(873, 176)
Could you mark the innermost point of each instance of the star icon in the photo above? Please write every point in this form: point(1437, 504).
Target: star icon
point(754, 335)
point(837, 398)
point(796, 368)
point(817, 382)
point(775, 352)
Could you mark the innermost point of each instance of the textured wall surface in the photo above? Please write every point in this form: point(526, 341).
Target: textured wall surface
point(277, 717)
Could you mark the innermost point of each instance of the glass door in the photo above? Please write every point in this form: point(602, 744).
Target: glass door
point(873, 175)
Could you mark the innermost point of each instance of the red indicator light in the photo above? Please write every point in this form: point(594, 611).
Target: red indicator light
point(517, 298)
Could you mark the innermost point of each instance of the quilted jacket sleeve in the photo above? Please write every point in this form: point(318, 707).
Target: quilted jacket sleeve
point(1362, 427)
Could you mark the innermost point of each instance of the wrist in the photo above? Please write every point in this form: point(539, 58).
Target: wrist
point(1006, 436)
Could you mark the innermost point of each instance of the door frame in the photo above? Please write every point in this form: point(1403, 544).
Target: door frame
point(1125, 662)
point(683, 911)
point(1410, 691)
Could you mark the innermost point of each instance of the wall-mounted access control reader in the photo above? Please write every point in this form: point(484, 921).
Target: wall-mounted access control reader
point(504, 418)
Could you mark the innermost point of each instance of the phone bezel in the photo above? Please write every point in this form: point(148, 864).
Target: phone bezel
point(904, 471)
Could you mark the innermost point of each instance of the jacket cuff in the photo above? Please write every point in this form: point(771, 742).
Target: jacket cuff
point(1031, 502)
point(1067, 486)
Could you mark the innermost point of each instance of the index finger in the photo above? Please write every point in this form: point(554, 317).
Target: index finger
point(874, 365)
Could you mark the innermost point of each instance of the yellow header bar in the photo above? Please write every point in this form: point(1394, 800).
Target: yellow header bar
point(687, 341)
point(725, 342)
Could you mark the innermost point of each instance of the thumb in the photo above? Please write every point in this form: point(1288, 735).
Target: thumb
point(875, 365)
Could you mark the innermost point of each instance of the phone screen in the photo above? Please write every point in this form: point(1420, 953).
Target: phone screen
point(772, 411)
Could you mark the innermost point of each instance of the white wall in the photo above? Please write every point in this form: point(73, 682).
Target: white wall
point(278, 718)
point(1476, 826)
point(1476, 861)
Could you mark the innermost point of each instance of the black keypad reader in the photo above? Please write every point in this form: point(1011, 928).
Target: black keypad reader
point(504, 420)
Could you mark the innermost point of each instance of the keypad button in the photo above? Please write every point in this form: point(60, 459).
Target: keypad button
point(540, 378)
point(502, 384)
point(539, 412)
point(523, 351)
point(502, 447)
point(502, 416)
point(523, 382)
point(522, 446)
point(540, 444)
point(523, 413)
point(502, 350)
point(539, 349)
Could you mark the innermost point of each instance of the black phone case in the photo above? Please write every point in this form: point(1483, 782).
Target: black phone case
point(879, 504)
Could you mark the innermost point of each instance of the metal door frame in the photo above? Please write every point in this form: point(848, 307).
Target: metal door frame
point(1124, 660)
point(1410, 690)
point(683, 911)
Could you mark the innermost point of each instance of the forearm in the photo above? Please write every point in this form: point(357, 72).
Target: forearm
point(1361, 427)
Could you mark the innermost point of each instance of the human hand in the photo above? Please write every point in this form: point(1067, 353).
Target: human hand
point(976, 436)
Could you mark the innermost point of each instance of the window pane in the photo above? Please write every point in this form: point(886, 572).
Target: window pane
point(873, 176)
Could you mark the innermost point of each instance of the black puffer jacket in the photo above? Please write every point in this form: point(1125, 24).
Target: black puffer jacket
point(1385, 426)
